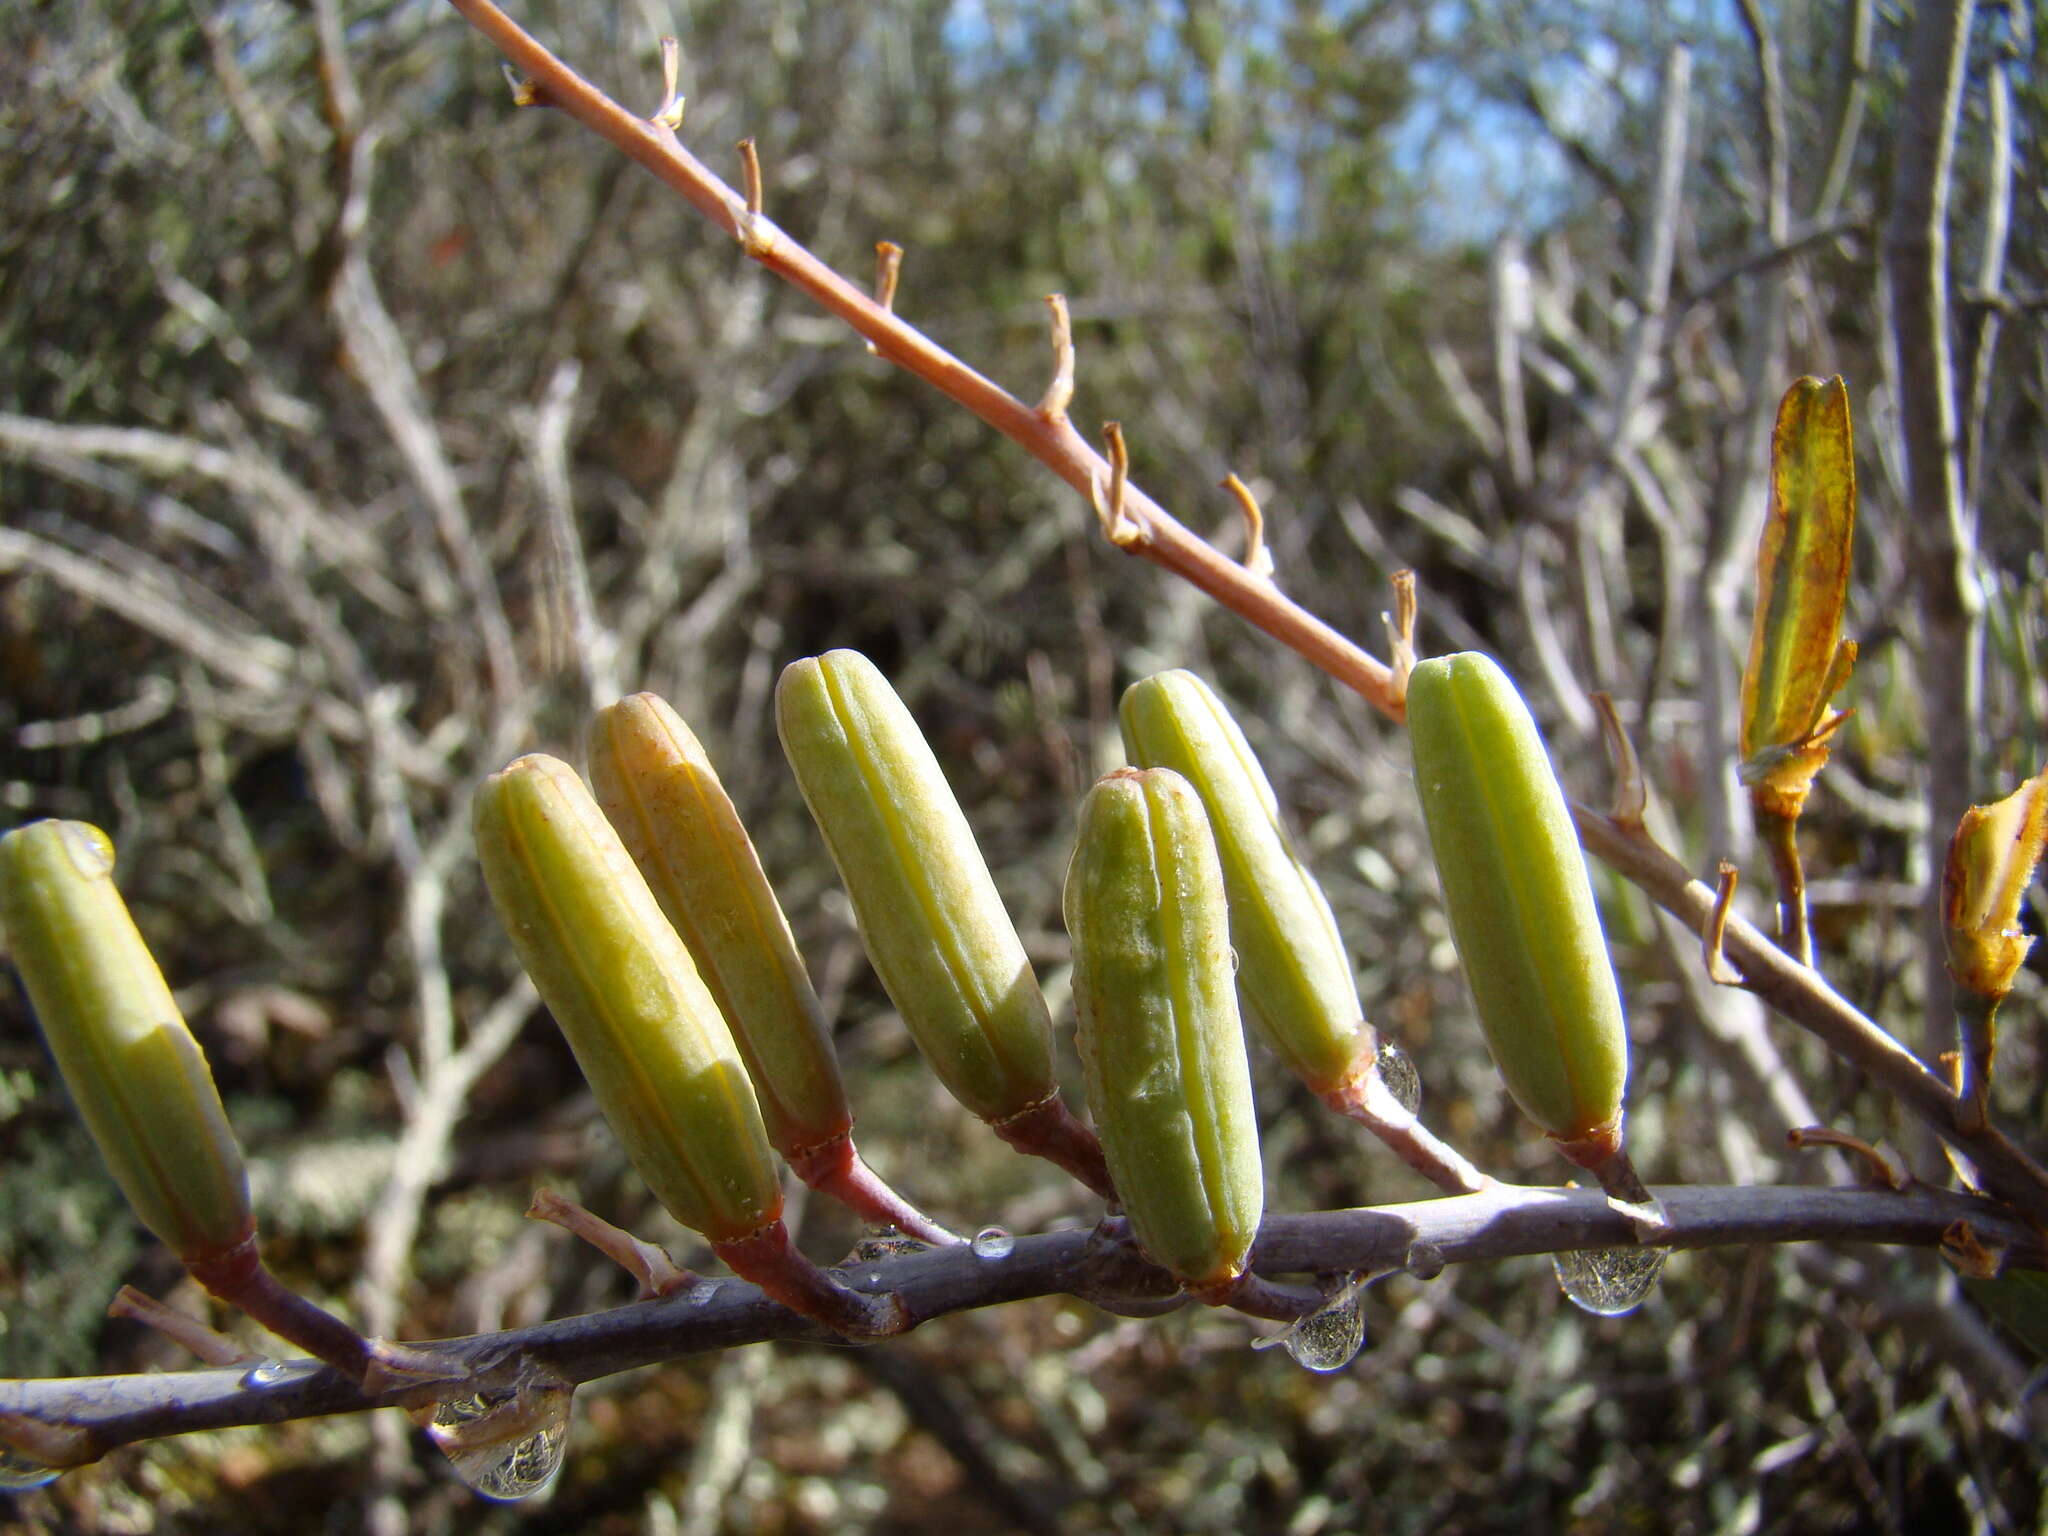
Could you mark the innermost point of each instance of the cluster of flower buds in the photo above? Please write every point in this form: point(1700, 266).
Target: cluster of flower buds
point(646, 1031)
point(644, 917)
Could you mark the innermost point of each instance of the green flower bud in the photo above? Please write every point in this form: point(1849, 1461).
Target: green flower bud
point(133, 1068)
point(663, 797)
point(1515, 889)
point(929, 914)
point(645, 1031)
point(1156, 1014)
point(1292, 971)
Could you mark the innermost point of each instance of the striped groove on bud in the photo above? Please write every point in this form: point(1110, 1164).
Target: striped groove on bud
point(1520, 905)
point(930, 916)
point(133, 1068)
point(1293, 972)
point(626, 994)
point(1157, 1020)
point(663, 797)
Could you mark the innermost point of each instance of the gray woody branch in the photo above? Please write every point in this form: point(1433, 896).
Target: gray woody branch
point(1504, 1222)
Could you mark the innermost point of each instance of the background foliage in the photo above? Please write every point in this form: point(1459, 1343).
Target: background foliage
point(304, 372)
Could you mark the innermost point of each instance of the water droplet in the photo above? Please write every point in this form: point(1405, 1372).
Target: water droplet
point(702, 1292)
point(1399, 1074)
point(993, 1243)
point(1234, 962)
point(1329, 1338)
point(888, 1243)
point(19, 1473)
point(275, 1373)
point(1609, 1281)
point(506, 1442)
point(1425, 1260)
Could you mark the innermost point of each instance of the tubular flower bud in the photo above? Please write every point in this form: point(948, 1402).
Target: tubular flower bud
point(929, 913)
point(133, 1068)
point(663, 797)
point(1520, 906)
point(644, 1028)
point(1991, 860)
point(1292, 970)
point(1157, 1020)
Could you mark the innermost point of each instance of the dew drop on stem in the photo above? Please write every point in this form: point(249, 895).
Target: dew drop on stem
point(1609, 1281)
point(887, 1243)
point(1329, 1338)
point(506, 1442)
point(1399, 1074)
point(993, 1243)
point(275, 1373)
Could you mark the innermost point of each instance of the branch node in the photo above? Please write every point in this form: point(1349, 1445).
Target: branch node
point(888, 267)
point(1401, 631)
point(756, 232)
point(181, 1329)
point(524, 92)
point(1631, 793)
point(1257, 558)
point(1059, 394)
point(1884, 1172)
point(658, 1274)
point(1719, 971)
point(1118, 526)
point(669, 114)
point(1972, 1257)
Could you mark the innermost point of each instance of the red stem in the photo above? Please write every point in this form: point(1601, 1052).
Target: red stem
point(1051, 1131)
point(835, 1168)
point(239, 1278)
point(770, 1260)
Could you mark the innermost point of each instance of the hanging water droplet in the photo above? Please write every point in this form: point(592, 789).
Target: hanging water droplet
point(1609, 1281)
point(1399, 1074)
point(993, 1243)
point(19, 1473)
point(1425, 1260)
point(702, 1292)
point(1329, 1338)
point(275, 1373)
point(506, 1442)
point(888, 1243)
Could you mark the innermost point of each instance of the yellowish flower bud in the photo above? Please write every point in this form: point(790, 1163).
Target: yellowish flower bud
point(929, 913)
point(621, 985)
point(664, 799)
point(133, 1068)
point(1991, 860)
